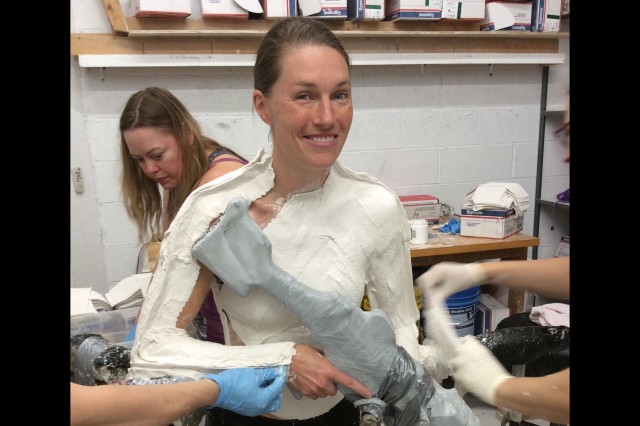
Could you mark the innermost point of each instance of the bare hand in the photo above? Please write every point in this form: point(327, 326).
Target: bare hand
point(315, 377)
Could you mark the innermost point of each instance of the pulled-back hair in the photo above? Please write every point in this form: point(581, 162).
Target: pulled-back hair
point(285, 34)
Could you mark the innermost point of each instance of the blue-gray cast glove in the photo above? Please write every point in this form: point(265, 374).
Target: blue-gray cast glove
point(250, 391)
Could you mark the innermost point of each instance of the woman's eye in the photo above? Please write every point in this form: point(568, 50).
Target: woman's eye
point(342, 96)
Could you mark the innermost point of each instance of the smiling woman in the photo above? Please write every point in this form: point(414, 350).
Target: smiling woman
point(299, 196)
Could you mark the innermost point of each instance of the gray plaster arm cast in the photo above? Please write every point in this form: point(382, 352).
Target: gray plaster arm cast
point(359, 343)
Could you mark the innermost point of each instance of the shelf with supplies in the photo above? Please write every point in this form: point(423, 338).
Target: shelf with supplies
point(539, 201)
point(559, 204)
point(232, 42)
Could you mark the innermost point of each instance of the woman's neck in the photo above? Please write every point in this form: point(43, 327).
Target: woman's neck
point(291, 180)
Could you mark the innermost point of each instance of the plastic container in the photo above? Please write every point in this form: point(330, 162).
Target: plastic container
point(419, 231)
point(462, 310)
point(112, 325)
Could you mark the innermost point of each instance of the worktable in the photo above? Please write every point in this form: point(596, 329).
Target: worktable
point(454, 248)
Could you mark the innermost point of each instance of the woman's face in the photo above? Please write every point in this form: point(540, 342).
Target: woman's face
point(157, 153)
point(310, 108)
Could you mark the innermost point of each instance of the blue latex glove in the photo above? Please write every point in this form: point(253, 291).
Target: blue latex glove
point(451, 227)
point(250, 391)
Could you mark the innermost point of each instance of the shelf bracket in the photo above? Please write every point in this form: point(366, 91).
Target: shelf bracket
point(491, 70)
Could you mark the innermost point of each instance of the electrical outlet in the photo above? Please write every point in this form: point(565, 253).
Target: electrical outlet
point(78, 181)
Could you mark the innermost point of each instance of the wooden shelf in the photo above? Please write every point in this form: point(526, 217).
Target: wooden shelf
point(218, 36)
point(559, 204)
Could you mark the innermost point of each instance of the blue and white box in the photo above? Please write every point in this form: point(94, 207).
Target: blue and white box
point(489, 314)
point(430, 10)
point(365, 10)
point(507, 16)
point(336, 9)
point(496, 223)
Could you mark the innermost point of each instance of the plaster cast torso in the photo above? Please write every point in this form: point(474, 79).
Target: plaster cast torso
point(350, 234)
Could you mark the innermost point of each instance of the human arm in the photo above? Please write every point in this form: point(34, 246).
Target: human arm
point(548, 277)
point(162, 346)
point(316, 377)
point(139, 405)
point(220, 168)
point(247, 391)
point(545, 397)
point(475, 368)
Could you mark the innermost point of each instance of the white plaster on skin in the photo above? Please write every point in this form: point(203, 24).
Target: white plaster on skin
point(323, 238)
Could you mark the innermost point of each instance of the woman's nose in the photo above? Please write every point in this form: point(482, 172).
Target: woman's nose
point(148, 167)
point(324, 114)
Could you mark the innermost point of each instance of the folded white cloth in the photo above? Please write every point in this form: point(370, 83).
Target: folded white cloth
point(498, 195)
point(550, 314)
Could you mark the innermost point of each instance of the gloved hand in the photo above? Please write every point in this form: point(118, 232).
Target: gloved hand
point(475, 368)
point(446, 278)
point(250, 391)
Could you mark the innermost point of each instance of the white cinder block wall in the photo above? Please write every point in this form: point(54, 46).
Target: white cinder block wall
point(441, 130)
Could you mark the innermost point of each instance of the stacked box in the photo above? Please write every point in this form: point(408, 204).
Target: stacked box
point(498, 223)
point(489, 314)
point(226, 9)
point(365, 10)
point(279, 8)
point(336, 9)
point(546, 15)
point(160, 8)
point(463, 9)
point(507, 15)
point(552, 16)
point(422, 207)
point(430, 10)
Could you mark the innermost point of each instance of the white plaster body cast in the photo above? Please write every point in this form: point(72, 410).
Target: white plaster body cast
point(318, 237)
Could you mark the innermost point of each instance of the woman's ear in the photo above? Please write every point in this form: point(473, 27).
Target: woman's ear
point(259, 104)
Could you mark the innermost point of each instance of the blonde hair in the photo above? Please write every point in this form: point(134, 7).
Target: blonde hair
point(158, 108)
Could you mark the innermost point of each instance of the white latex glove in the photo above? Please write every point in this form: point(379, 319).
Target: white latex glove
point(477, 370)
point(439, 282)
point(446, 278)
point(433, 361)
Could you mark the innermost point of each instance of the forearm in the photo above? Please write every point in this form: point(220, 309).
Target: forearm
point(139, 405)
point(538, 397)
point(548, 277)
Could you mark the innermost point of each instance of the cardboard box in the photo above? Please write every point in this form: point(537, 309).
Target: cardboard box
point(430, 10)
point(159, 8)
point(316, 8)
point(552, 16)
point(279, 8)
point(545, 15)
point(336, 9)
point(422, 207)
point(365, 10)
point(489, 223)
point(507, 15)
point(489, 314)
point(563, 246)
point(463, 9)
point(228, 9)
